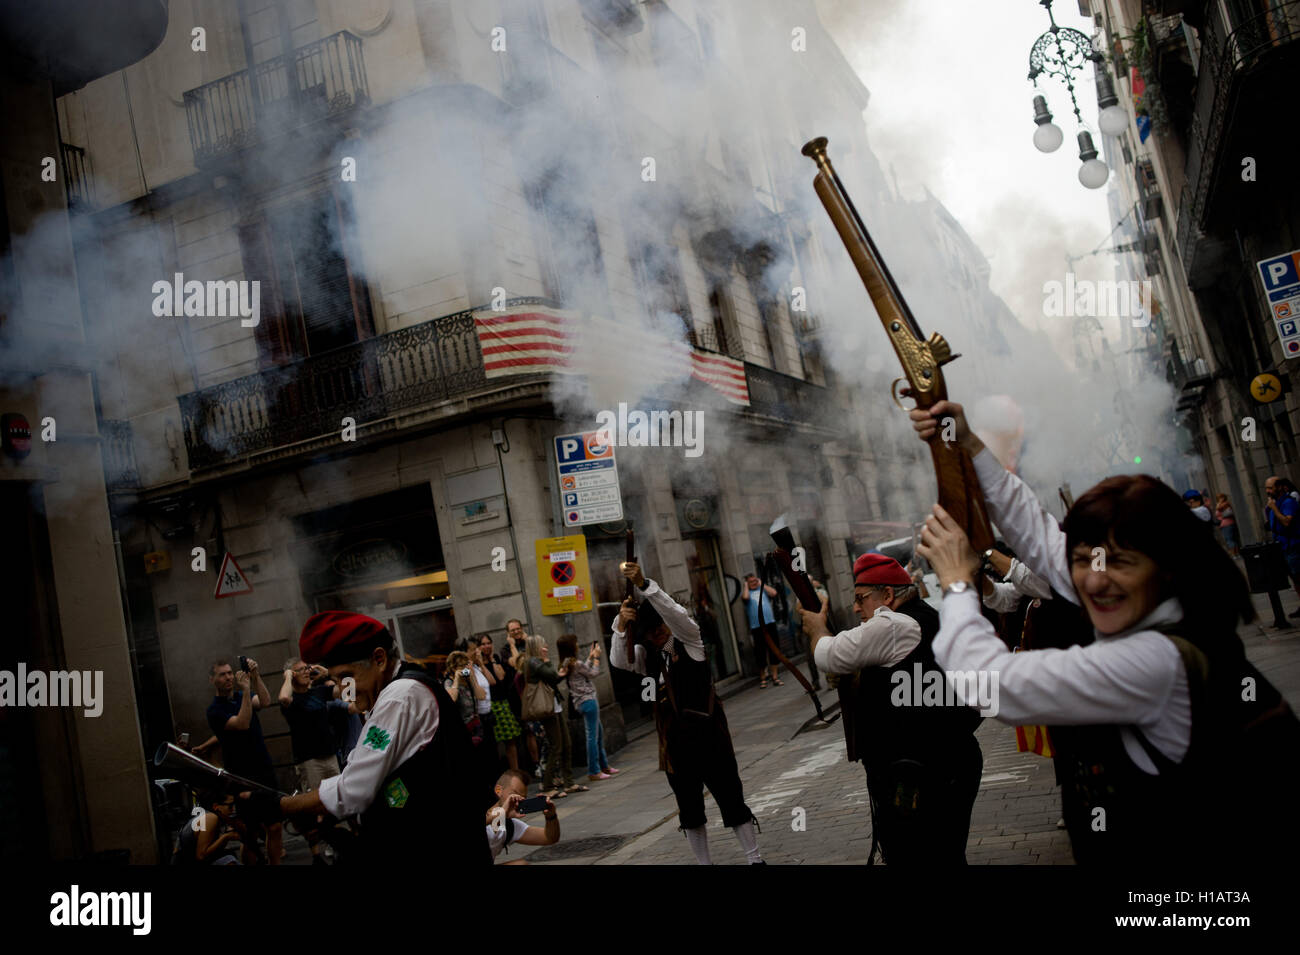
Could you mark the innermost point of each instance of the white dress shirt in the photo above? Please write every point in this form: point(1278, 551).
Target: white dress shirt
point(1020, 582)
point(882, 641)
point(683, 628)
point(1134, 678)
point(402, 722)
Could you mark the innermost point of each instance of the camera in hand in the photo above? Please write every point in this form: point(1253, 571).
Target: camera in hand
point(243, 664)
point(465, 674)
point(532, 804)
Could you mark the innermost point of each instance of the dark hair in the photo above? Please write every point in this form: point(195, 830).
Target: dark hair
point(211, 797)
point(217, 664)
point(647, 622)
point(1140, 513)
point(567, 645)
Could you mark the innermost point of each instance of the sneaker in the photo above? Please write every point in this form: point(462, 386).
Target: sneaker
point(600, 776)
point(610, 771)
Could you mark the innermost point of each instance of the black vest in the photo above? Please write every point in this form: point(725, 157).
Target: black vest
point(1227, 803)
point(934, 736)
point(688, 683)
point(434, 794)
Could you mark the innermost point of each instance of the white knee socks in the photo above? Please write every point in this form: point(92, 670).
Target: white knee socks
point(699, 840)
point(748, 841)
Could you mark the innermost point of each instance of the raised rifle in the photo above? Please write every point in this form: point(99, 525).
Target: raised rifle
point(921, 358)
point(629, 554)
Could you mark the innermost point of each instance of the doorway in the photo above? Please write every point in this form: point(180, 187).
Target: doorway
point(709, 605)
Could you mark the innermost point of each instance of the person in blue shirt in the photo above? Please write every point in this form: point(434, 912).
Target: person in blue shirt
point(753, 592)
point(1280, 513)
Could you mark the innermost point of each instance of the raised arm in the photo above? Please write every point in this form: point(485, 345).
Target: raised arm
point(1033, 533)
point(618, 656)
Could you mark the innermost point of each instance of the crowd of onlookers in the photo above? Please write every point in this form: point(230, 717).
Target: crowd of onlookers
point(514, 702)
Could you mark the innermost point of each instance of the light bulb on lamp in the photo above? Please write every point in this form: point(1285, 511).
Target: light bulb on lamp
point(1093, 173)
point(1113, 119)
point(1048, 136)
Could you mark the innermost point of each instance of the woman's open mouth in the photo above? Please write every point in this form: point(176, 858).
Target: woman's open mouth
point(1107, 604)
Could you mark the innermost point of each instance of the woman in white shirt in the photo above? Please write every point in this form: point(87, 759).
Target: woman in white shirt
point(1149, 574)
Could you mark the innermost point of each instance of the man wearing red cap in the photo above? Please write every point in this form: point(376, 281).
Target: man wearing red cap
point(923, 763)
point(411, 771)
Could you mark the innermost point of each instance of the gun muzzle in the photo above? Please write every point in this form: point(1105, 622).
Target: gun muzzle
point(202, 774)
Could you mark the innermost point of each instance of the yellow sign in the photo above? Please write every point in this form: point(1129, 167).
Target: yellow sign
point(563, 579)
point(157, 560)
point(1266, 388)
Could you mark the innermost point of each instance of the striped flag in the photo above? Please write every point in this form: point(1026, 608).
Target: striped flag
point(532, 340)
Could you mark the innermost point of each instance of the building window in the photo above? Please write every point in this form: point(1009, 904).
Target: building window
point(720, 334)
point(658, 270)
point(312, 301)
point(573, 268)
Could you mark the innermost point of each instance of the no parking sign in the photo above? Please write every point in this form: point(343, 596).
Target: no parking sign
point(563, 579)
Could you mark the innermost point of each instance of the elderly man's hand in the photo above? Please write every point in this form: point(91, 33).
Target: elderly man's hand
point(814, 624)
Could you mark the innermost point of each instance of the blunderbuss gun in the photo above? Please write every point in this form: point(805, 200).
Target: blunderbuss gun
point(921, 358)
point(262, 808)
point(804, 592)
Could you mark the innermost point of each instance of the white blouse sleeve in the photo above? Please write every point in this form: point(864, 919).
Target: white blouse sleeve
point(1033, 533)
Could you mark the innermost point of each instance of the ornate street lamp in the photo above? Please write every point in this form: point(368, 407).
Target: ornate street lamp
point(1062, 52)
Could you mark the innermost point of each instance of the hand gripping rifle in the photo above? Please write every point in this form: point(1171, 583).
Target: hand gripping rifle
point(629, 555)
point(804, 592)
point(921, 358)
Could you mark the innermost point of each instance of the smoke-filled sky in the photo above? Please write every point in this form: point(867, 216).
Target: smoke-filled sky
point(951, 110)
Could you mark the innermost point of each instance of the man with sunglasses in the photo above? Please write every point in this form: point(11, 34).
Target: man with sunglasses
point(923, 763)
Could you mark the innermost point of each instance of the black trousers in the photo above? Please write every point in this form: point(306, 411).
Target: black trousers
point(760, 645)
point(921, 814)
point(701, 754)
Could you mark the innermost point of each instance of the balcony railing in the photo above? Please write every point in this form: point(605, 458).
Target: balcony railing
point(1222, 58)
point(318, 80)
point(709, 338)
point(77, 183)
point(780, 396)
point(367, 381)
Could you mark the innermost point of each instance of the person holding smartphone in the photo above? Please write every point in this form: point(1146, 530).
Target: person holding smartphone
point(505, 825)
point(306, 709)
point(582, 691)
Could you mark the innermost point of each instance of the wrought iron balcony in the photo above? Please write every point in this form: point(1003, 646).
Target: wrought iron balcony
point(368, 381)
point(316, 81)
point(780, 396)
point(1225, 58)
point(77, 183)
point(709, 338)
point(1148, 188)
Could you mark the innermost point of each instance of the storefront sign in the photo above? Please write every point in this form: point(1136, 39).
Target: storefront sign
point(563, 577)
